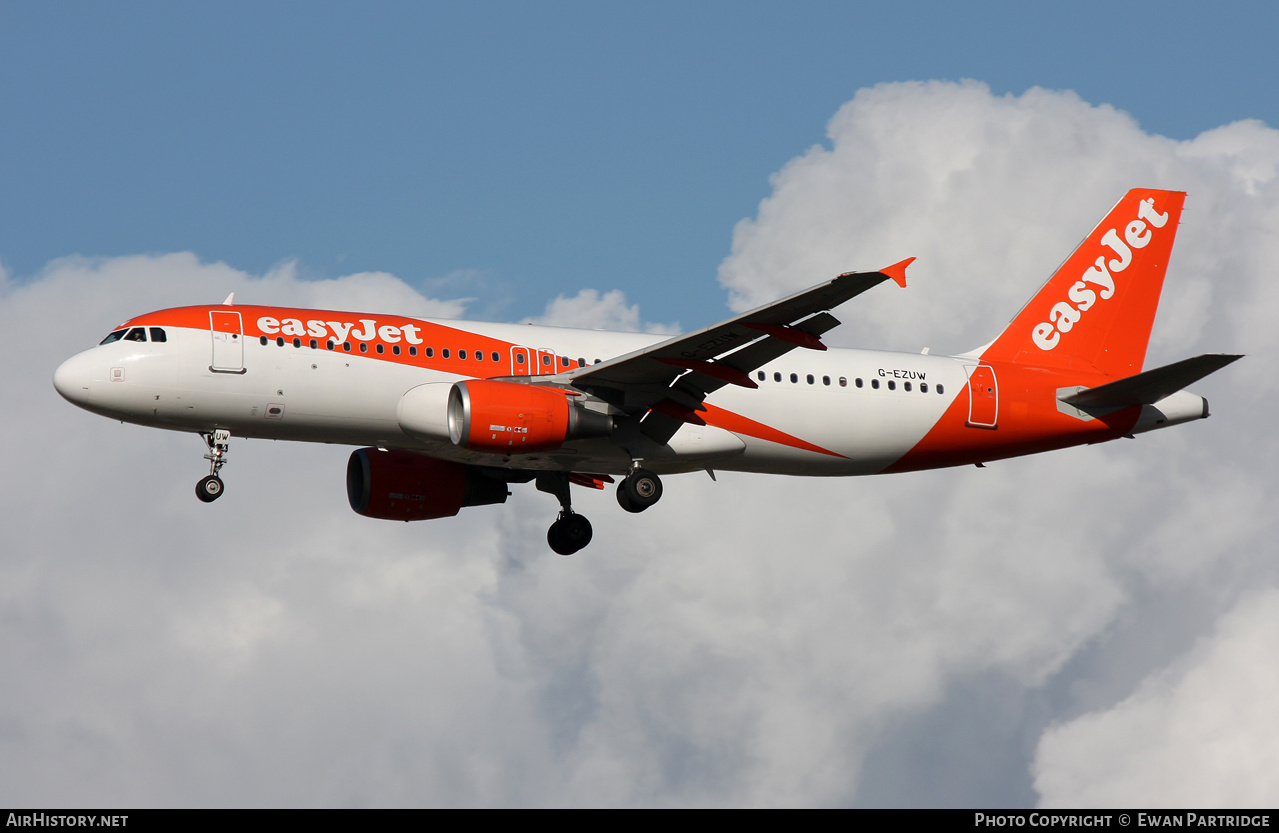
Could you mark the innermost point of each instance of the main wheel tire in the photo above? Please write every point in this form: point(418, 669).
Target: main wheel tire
point(569, 534)
point(575, 531)
point(209, 489)
point(640, 490)
point(555, 541)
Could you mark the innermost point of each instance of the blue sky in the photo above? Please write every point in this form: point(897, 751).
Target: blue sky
point(1093, 627)
point(531, 149)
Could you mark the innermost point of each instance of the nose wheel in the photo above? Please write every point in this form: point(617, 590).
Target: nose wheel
point(209, 488)
point(218, 442)
point(640, 490)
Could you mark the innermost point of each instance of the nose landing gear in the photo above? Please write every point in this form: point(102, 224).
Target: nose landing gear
point(209, 488)
point(218, 442)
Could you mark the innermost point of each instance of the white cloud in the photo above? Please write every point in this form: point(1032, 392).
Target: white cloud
point(1202, 733)
point(991, 193)
point(591, 310)
point(752, 641)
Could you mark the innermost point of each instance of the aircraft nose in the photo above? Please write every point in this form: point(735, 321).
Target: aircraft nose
point(74, 378)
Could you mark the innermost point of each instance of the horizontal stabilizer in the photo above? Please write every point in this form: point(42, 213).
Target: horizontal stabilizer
point(1151, 386)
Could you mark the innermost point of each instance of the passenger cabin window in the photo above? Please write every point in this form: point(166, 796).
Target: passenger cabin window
point(113, 336)
point(157, 334)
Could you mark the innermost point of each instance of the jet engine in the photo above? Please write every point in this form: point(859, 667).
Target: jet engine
point(509, 418)
point(398, 485)
point(499, 417)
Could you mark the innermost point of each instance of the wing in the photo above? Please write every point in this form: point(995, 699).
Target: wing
point(668, 381)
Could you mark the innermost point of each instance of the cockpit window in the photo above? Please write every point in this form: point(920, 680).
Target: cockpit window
point(136, 334)
point(157, 334)
point(114, 336)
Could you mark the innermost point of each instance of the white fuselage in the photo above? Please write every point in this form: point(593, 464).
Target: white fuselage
point(839, 400)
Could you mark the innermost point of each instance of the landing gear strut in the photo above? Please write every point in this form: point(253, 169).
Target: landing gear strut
point(571, 531)
point(218, 442)
point(640, 490)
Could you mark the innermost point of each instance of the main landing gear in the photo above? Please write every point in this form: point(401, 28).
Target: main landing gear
point(218, 442)
point(571, 531)
point(640, 490)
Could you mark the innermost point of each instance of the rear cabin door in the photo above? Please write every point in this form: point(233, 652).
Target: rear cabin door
point(983, 396)
point(228, 341)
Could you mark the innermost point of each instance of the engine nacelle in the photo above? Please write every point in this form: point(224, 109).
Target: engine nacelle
point(512, 418)
point(423, 412)
point(399, 485)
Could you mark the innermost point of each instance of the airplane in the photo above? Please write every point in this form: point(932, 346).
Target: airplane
point(448, 414)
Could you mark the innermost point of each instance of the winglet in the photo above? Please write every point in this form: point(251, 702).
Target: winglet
point(230, 299)
point(898, 271)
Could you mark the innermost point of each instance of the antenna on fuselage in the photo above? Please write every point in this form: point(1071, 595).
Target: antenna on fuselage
point(230, 300)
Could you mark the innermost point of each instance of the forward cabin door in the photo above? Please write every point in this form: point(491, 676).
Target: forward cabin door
point(983, 396)
point(228, 342)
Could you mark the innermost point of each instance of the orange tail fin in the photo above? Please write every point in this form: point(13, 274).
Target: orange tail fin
point(1096, 311)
